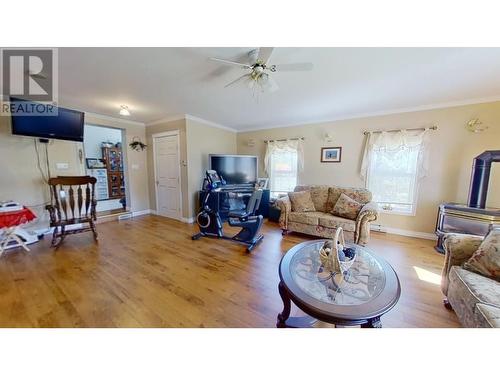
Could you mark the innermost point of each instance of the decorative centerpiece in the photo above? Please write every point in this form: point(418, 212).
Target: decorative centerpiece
point(335, 256)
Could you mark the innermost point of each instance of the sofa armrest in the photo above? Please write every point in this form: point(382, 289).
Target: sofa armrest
point(458, 249)
point(369, 209)
point(285, 206)
point(368, 213)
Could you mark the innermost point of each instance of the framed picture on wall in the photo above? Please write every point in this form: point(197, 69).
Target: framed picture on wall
point(331, 154)
point(93, 163)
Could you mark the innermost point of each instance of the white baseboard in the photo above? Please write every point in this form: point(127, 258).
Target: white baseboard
point(142, 212)
point(187, 220)
point(403, 232)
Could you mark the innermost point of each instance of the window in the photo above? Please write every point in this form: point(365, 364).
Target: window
point(283, 160)
point(393, 164)
point(392, 179)
point(282, 172)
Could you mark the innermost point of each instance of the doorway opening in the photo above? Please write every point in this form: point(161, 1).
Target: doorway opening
point(104, 160)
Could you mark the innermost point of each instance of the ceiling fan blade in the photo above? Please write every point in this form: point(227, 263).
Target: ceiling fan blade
point(232, 63)
point(252, 56)
point(245, 76)
point(265, 54)
point(297, 67)
point(272, 85)
point(268, 83)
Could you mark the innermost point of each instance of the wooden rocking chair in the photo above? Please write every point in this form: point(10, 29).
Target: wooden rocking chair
point(63, 205)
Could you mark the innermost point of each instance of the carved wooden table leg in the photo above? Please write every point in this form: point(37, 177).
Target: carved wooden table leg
point(287, 305)
point(373, 323)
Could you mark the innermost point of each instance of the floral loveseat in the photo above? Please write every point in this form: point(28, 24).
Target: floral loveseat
point(474, 298)
point(321, 222)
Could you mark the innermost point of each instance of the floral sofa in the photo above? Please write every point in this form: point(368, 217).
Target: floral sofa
point(321, 222)
point(474, 298)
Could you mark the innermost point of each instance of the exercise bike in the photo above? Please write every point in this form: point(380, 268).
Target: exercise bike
point(210, 223)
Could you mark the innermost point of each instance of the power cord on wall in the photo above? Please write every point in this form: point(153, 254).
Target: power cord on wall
point(44, 174)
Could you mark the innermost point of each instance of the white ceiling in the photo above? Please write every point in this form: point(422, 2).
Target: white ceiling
point(346, 82)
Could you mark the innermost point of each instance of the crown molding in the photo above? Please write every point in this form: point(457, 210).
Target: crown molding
point(115, 119)
point(166, 119)
point(192, 118)
point(210, 123)
point(426, 107)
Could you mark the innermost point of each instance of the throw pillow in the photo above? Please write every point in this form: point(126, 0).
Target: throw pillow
point(301, 201)
point(346, 207)
point(486, 259)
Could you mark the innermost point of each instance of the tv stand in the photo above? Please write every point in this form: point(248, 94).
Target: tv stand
point(234, 199)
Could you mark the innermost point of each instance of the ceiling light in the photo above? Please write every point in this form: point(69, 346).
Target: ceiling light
point(124, 111)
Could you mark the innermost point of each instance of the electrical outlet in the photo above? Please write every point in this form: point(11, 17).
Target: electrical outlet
point(62, 166)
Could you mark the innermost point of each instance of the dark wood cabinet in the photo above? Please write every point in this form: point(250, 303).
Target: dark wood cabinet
point(113, 158)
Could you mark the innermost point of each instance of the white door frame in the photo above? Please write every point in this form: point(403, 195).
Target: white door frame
point(169, 134)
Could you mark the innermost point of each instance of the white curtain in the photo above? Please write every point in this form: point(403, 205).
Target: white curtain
point(291, 145)
point(395, 141)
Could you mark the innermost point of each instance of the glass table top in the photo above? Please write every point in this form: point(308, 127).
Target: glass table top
point(361, 283)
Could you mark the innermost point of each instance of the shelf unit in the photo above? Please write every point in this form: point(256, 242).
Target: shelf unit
point(114, 164)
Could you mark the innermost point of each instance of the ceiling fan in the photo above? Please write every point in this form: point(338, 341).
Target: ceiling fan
point(259, 69)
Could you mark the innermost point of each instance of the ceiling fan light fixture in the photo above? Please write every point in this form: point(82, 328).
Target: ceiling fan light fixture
point(259, 79)
point(124, 111)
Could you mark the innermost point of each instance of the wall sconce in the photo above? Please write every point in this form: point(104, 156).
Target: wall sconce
point(328, 137)
point(251, 142)
point(475, 126)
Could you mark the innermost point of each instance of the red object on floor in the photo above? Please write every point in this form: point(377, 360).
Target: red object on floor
point(16, 218)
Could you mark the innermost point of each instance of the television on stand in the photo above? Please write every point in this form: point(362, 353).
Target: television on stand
point(240, 173)
point(238, 170)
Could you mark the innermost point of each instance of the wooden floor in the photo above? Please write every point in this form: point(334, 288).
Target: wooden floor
point(147, 272)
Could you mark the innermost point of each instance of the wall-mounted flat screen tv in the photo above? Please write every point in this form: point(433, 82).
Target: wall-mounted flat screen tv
point(66, 125)
point(235, 169)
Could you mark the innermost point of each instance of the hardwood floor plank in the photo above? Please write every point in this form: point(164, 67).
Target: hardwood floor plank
point(147, 272)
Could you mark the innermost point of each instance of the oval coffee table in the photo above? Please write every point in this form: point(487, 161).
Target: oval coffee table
point(368, 289)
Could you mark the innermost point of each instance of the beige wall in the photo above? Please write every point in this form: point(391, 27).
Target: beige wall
point(179, 125)
point(451, 153)
point(202, 140)
point(21, 181)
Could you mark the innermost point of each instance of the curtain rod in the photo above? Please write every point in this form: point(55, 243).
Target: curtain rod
point(281, 140)
point(433, 127)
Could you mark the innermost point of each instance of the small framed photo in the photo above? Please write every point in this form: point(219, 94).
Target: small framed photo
point(93, 163)
point(331, 154)
point(262, 182)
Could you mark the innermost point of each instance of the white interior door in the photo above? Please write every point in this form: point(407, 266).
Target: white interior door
point(167, 175)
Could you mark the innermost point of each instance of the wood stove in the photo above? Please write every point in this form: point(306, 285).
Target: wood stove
point(474, 217)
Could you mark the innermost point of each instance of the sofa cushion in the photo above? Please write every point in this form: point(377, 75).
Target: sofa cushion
point(301, 201)
point(346, 207)
point(323, 219)
point(488, 315)
point(467, 289)
point(483, 289)
point(309, 218)
point(360, 195)
point(319, 195)
point(330, 221)
point(486, 259)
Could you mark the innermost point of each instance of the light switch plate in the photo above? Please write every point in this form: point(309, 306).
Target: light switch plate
point(135, 166)
point(62, 166)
